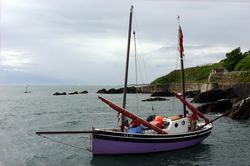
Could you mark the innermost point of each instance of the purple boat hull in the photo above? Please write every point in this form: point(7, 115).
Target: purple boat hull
point(110, 144)
point(117, 147)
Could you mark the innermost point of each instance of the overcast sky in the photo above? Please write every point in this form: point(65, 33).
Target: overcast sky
point(84, 41)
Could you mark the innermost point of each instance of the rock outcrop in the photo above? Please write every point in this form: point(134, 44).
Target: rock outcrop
point(155, 99)
point(238, 109)
point(102, 91)
point(241, 110)
point(58, 93)
point(73, 93)
point(119, 90)
point(83, 92)
point(214, 95)
point(219, 106)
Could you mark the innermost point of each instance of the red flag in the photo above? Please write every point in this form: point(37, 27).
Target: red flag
point(181, 48)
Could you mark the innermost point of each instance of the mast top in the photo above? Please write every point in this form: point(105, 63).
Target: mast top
point(131, 9)
point(178, 19)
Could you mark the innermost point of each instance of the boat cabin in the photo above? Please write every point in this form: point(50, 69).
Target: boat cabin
point(177, 126)
point(173, 125)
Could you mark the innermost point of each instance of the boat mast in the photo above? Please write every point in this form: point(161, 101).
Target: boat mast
point(181, 50)
point(126, 70)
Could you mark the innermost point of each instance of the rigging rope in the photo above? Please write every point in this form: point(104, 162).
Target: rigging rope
point(141, 55)
point(136, 80)
point(63, 143)
point(142, 67)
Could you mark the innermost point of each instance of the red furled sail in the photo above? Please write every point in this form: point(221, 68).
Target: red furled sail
point(194, 110)
point(132, 116)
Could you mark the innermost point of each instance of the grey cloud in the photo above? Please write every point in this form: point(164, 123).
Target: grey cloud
point(85, 41)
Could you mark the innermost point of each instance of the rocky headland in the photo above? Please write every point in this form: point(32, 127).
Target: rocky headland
point(222, 101)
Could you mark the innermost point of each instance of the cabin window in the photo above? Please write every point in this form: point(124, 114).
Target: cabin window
point(183, 123)
point(176, 125)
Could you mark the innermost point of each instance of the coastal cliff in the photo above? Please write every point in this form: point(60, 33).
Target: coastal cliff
point(231, 72)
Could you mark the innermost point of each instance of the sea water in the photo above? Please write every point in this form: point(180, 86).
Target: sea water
point(22, 114)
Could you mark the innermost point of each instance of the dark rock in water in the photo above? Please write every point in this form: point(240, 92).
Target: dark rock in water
point(241, 110)
point(73, 93)
point(58, 94)
point(155, 99)
point(114, 91)
point(102, 91)
point(110, 91)
point(191, 94)
point(118, 91)
point(214, 95)
point(162, 94)
point(83, 92)
point(220, 106)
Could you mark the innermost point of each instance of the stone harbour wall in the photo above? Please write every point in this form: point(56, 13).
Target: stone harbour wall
point(242, 90)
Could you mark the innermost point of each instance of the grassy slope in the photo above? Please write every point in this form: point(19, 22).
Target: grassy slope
point(243, 64)
point(197, 74)
point(200, 74)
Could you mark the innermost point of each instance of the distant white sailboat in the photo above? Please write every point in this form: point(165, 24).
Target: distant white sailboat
point(27, 89)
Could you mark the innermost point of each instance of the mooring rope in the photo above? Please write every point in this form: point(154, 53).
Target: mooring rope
point(63, 143)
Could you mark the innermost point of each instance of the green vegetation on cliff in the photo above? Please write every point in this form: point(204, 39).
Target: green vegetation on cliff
point(234, 61)
point(197, 74)
point(244, 64)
